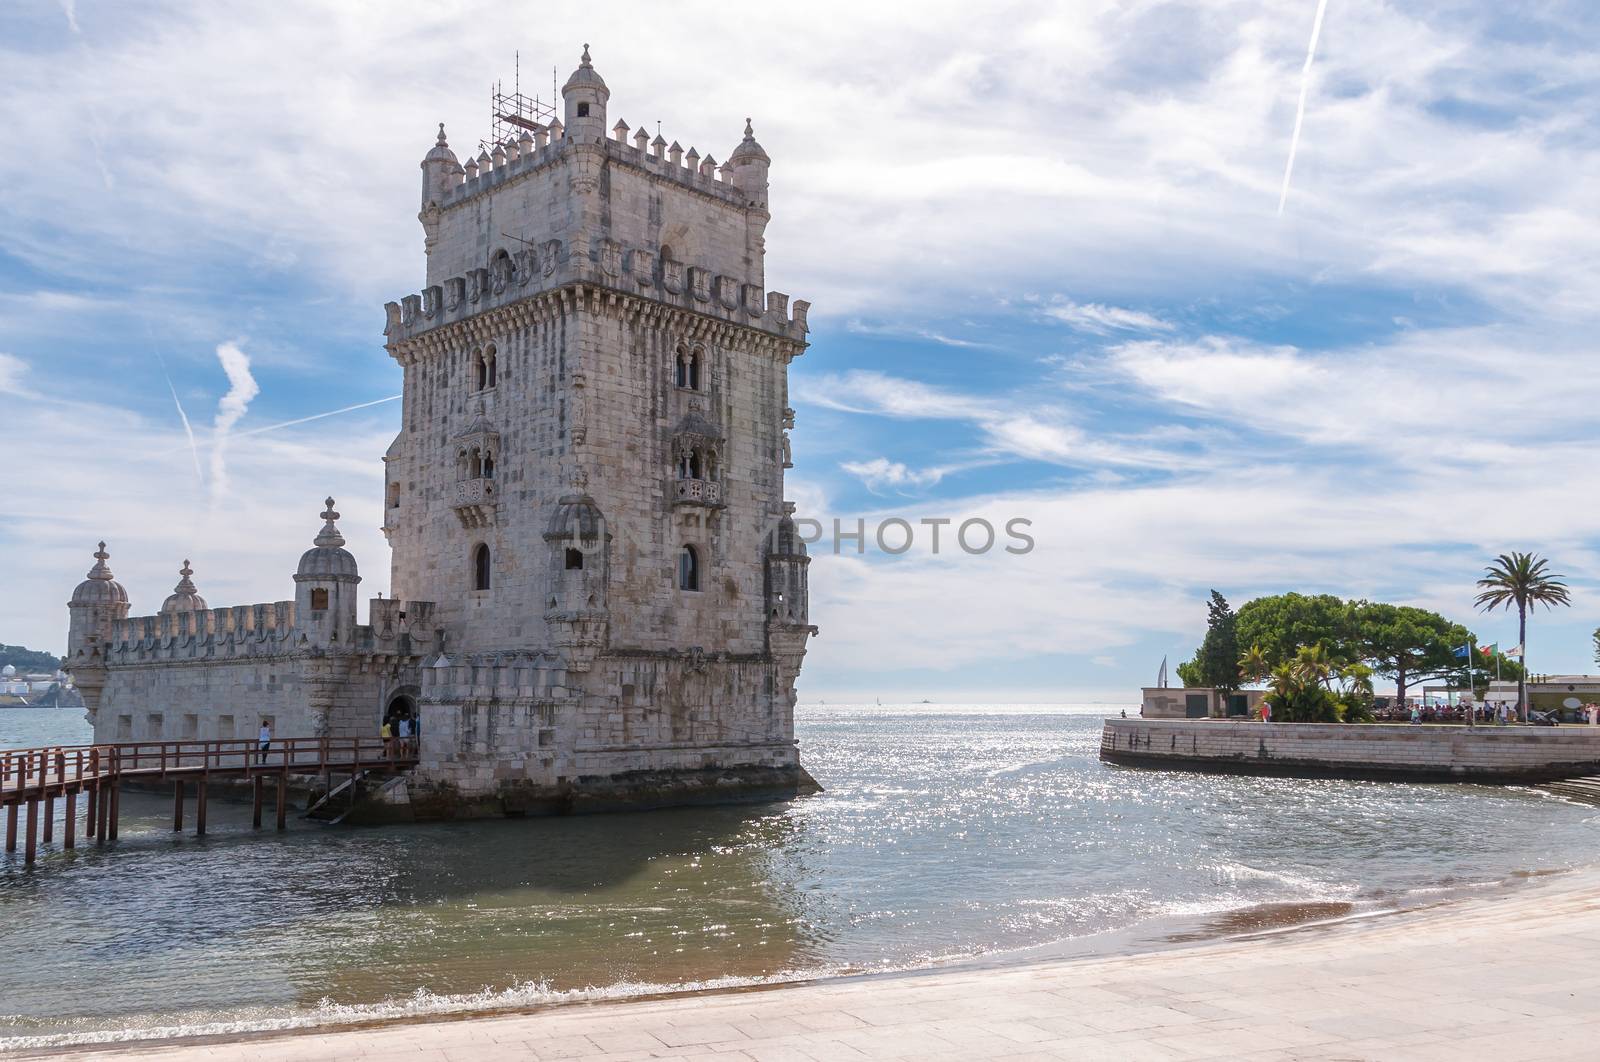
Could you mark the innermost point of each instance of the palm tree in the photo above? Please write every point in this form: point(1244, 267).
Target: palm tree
point(1253, 666)
point(1521, 579)
point(1312, 665)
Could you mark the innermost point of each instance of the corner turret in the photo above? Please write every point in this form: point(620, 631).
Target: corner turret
point(96, 605)
point(440, 171)
point(325, 587)
point(585, 95)
point(184, 597)
point(748, 167)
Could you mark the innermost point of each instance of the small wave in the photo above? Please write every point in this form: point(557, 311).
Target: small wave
point(421, 1004)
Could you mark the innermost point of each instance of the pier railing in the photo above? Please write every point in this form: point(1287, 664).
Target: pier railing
point(31, 777)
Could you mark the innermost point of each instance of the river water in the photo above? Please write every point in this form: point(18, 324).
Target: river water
point(945, 833)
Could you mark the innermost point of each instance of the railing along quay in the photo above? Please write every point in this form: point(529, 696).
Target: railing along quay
point(33, 779)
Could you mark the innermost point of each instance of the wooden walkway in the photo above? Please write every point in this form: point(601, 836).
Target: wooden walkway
point(32, 780)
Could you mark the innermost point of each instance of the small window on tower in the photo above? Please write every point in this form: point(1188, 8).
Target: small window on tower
point(574, 560)
point(583, 110)
point(319, 600)
point(688, 569)
point(480, 568)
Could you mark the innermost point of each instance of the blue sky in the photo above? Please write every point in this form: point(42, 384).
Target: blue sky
point(1049, 274)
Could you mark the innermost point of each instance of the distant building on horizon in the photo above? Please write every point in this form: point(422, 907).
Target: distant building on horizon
point(599, 595)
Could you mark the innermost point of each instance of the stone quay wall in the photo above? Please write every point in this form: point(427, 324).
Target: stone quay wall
point(1399, 752)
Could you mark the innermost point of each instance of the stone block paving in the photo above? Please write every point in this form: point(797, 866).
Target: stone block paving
point(1511, 979)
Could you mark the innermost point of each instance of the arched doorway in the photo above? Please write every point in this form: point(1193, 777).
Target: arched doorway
point(401, 706)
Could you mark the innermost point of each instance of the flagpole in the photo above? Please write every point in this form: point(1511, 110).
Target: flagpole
point(1472, 656)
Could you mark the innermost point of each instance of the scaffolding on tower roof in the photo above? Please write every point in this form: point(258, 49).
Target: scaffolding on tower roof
point(512, 112)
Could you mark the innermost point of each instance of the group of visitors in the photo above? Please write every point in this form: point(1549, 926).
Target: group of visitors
point(399, 736)
point(1496, 713)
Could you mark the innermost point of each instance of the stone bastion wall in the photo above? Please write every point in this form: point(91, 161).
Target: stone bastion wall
point(1354, 750)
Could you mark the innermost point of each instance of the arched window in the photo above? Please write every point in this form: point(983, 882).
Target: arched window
point(474, 463)
point(481, 567)
point(319, 600)
point(694, 370)
point(574, 560)
point(483, 371)
point(583, 110)
point(490, 367)
point(682, 375)
point(688, 569)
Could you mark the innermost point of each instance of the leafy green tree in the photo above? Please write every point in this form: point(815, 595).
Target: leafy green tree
point(1217, 661)
point(1406, 644)
point(26, 660)
point(1281, 624)
point(1523, 580)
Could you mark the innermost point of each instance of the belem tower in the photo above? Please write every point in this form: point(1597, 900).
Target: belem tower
point(599, 597)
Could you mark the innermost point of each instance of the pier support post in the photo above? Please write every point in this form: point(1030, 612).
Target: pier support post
point(255, 807)
point(200, 807)
point(11, 827)
point(91, 813)
point(31, 846)
point(69, 823)
point(177, 806)
point(116, 807)
point(49, 818)
point(283, 800)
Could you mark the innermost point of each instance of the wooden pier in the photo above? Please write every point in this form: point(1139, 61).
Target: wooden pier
point(32, 780)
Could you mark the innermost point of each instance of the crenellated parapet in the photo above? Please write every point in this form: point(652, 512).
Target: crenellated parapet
point(507, 279)
point(242, 632)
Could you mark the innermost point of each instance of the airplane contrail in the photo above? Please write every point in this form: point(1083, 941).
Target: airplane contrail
point(1300, 111)
point(317, 416)
point(194, 447)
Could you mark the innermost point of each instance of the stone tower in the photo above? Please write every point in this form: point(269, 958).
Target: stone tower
point(588, 483)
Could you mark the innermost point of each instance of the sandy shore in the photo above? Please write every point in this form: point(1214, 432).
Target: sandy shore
point(1508, 977)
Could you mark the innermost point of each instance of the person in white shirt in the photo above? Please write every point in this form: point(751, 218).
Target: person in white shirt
point(264, 742)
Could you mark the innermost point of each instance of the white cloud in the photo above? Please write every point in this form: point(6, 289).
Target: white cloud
point(880, 472)
point(12, 370)
point(231, 407)
point(1103, 320)
point(1029, 427)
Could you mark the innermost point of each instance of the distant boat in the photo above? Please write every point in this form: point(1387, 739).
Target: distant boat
point(926, 701)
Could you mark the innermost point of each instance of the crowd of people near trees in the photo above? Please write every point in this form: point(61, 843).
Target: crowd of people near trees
point(1318, 655)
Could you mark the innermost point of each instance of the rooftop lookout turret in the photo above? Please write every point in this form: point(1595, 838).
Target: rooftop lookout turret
point(325, 586)
point(585, 95)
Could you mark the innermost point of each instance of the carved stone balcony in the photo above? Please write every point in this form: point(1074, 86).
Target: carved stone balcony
point(475, 501)
point(697, 492)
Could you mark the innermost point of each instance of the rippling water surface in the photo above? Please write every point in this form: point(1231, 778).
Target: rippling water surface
point(945, 832)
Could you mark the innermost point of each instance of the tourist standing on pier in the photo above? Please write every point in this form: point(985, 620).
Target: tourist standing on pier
point(264, 741)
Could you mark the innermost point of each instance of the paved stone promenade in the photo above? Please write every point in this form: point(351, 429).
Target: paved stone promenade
point(1513, 979)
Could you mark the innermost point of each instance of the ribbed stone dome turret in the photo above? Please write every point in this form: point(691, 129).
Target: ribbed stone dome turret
point(328, 557)
point(576, 516)
point(586, 76)
point(100, 588)
point(185, 598)
point(748, 148)
point(440, 152)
